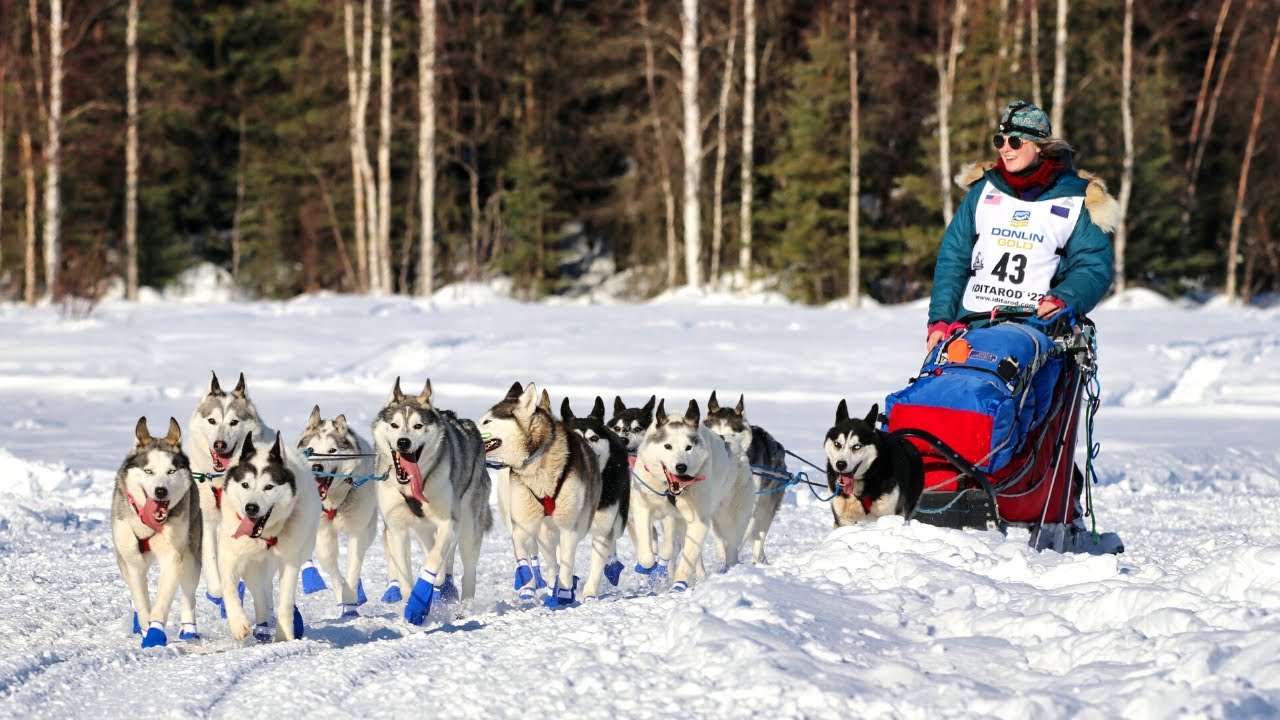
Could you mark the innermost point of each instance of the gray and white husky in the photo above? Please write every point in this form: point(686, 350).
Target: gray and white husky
point(615, 492)
point(708, 483)
point(155, 518)
point(215, 433)
point(437, 489)
point(270, 513)
point(554, 485)
point(630, 424)
point(768, 461)
point(342, 462)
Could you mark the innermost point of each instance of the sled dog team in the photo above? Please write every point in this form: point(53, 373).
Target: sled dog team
point(248, 510)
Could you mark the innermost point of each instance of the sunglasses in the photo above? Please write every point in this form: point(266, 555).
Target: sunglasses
point(1015, 142)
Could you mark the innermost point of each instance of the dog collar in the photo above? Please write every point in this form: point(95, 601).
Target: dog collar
point(542, 449)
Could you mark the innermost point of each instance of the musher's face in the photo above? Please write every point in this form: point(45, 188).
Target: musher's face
point(1025, 156)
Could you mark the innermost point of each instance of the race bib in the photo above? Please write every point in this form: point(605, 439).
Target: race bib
point(1017, 248)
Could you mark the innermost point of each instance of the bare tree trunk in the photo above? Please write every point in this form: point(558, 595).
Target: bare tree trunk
point(1002, 56)
point(1193, 137)
point(692, 142)
point(366, 167)
point(1059, 70)
point(4, 77)
point(1202, 142)
point(748, 139)
point(29, 236)
point(668, 192)
point(1233, 247)
point(855, 173)
point(384, 155)
point(53, 145)
point(1019, 31)
point(37, 61)
point(355, 128)
point(946, 87)
point(131, 157)
point(1034, 48)
point(238, 212)
point(350, 272)
point(1126, 118)
point(427, 145)
point(722, 120)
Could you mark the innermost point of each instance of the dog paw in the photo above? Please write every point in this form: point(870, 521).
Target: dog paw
point(155, 636)
point(679, 586)
point(613, 572)
point(188, 632)
point(657, 569)
point(392, 593)
point(312, 582)
point(360, 596)
point(562, 597)
point(262, 632)
point(448, 592)
point(137, 629)
point(298, 628)
point(537, 575)
point(347, 610)
point(524, 574)
point(418, 606)
point(240, 628)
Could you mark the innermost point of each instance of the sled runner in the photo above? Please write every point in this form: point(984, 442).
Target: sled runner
point(994, 412)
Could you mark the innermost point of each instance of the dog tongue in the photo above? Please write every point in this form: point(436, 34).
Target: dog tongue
point(247, 526)
point(220, 462)
point(410, 469)
point(149, 513)
point(846, 484)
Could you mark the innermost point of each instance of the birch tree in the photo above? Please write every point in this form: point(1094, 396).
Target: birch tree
point(1126, 119)
point(748, 139)
point(427, 144)
point(692, 142)
point(131, 155)
point(722, 117)
point(1237, 217)
point(383, 258)
point(659, 131)
point(1059, 70)
point(855, 179)
point(53, 144)
point(29, 233)
point(1033, 43)
point(1002, 57)
point(946, 64)
point(355, 106)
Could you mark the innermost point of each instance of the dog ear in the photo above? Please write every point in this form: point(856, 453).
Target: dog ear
point(313, 422)
point(340, 424)
point(648, 407)
point(712, 404)
point(597, 410)
point(618, 407)
point(842, 412)
point(660, 418)
point(141, 433)
point(214, 387)
point(741, 407)
point(545, 402)
point(515, 391)
point(692, 416)
point(276, 454)
point(396, 395)
point(529, 397)
point(174, 437)
point(874, 415)
point(240, 390)
point(246, 448)
point(424, 397)
point(566, 412)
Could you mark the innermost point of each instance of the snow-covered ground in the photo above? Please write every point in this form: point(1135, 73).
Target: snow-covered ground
point(883, 620)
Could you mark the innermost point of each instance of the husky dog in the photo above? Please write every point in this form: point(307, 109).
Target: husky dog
point(871, 472)
point(709, 485)
point(155, 518)
point(220, 422)
point(630, 424)
point(615, 492)
point(271, 510)
point(767, 458)
point(348, 505)
point(554, 480)
point(438, 489)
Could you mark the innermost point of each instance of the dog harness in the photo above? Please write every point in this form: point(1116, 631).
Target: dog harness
point(330, 513)
point(144, 544)
point(549, 502)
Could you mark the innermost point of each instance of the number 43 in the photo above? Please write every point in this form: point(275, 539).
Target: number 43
point(1017, 274)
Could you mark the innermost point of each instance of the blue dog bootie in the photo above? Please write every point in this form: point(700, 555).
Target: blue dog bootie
point(312, 581)
point(298, 628)
point(613, 570)
point(188, 632)
point(418, 605)
point(448, 592)
point(361, 598)
point(563, 597)
point(262, 632)
point(392, 593)
point(524, 581)
point(537, 573)
point(155, 636)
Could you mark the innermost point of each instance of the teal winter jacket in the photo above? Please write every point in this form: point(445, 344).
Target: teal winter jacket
point(1084, 275)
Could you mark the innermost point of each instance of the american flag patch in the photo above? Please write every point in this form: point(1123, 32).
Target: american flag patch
point(991, 199)
point(1060, 211)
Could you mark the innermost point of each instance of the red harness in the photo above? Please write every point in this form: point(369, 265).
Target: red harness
point(217, 497)
point(549, 502)
point(330, 512)
point(866, 504)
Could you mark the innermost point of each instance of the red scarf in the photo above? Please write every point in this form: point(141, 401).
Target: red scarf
point(1028, 184)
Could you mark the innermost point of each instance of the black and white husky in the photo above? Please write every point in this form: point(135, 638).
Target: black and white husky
point(768, 461)
point(270, 510)
point(707, 483)
point(155, 518)
point(870, 472)
point(437, 489)
point(630, 424)
point(554, 486)
point(218, 426)
point(615, 492)
point(342, 462)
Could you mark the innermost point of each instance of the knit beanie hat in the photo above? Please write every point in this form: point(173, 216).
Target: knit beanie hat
point(1024, 120)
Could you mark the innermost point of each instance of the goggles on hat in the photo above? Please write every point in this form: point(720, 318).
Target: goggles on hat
point(1007, 126)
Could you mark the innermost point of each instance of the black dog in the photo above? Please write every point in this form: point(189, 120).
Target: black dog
point(871, 472)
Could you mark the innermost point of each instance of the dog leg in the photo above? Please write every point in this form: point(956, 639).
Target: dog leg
point(690, 554)
point(396, 541)
point(237, 620)
point(469, 538)
point(288, 619)
point(525, 543)
point(564, 593)
point(358, 545)
point(258, 583)
point(190, 581)
point(600, 553)
point(327, 558)
point(209, 553)
point(642, 536)
point(166, 587)
point(134, 573)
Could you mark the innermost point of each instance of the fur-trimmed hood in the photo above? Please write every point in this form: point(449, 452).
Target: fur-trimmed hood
point(1103, 209)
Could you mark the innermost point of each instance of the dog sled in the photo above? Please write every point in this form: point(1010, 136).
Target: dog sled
point(995, 412)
